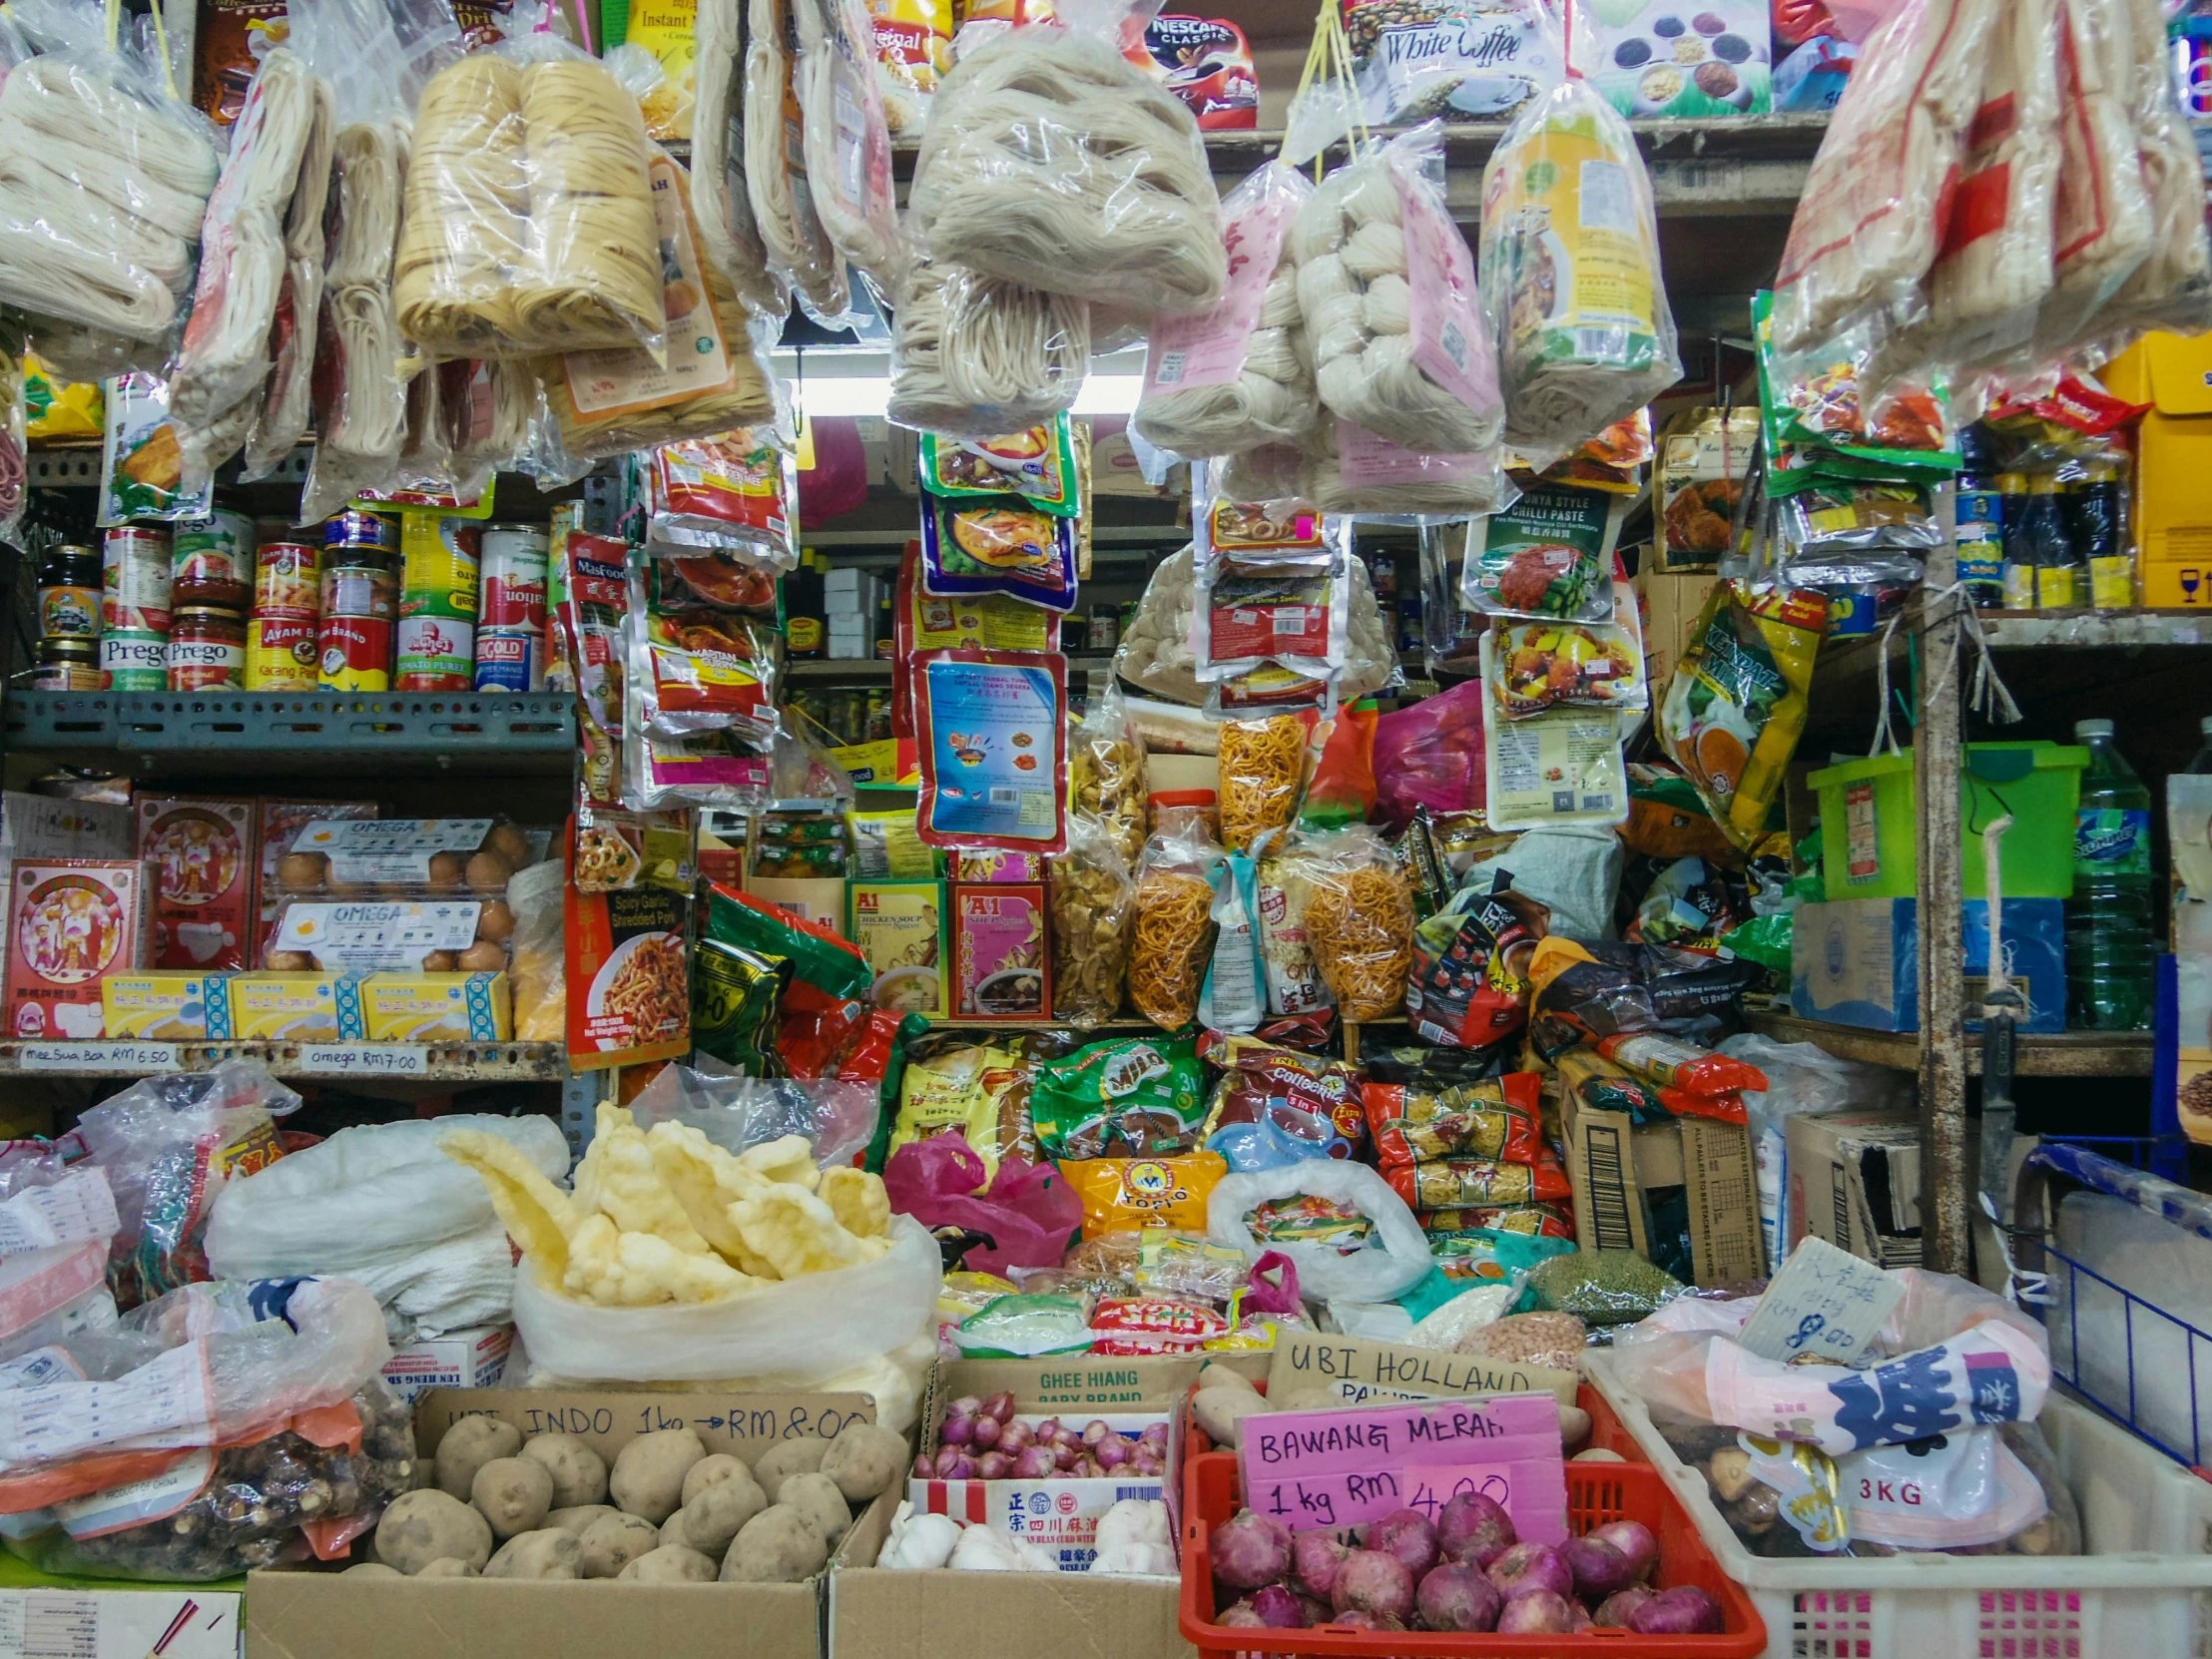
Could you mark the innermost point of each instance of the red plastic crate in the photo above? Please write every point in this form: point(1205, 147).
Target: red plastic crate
point(1596, 1493)
point(1607, 1432)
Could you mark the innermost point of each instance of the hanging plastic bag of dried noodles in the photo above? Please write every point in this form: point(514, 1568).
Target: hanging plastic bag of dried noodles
point(721, 198)
point(800, 252)
point(846, 139)
point(977, 357)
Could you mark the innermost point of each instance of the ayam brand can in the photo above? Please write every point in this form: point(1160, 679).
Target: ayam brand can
point(511, 662)
point(514, 576)
point(286, 581)
point(438, 566)
point(281, 654)
point(212, 561)
point(133, 581)
point(435, 653)
point(135, 660)
point(354, 653)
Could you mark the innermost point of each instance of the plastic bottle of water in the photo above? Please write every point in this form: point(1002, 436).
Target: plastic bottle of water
point(2111, 944)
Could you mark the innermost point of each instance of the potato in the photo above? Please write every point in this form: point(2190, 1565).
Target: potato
point(671, 1564)
point(817, 1498)
point(613, 1544)
point(1220, 1412)
point(1574, 1425)
point(648, 1478)
point(579, 1474)
point(779, 1546)
point(374, 1570)
point(579, 1518)
point(787, 1458)
point(1598, 1454)
point(713, 1518)
point(712, 1471)
point(864, 1461)
point(468, 1445)
point(514, 1494)
point(426, 1526)
point(1214, 1374)
point(546, 1553)
point(445, 1566)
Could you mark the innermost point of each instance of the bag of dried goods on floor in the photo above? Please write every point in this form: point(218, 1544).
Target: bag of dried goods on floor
point(1570, 274)
point(1584, 993)
point(1367, 1249)
point(1274, 1105)
point(1237, 376)
point(1425, 1105)
point(1172, 939)
point(1133, 1097)
point(1051, 161)
point(978, 1090)
point(1470, 981)
point(1394, 319)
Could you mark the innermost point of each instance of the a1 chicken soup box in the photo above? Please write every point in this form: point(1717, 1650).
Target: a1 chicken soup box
point(1060, 1516)
point(1683, 57)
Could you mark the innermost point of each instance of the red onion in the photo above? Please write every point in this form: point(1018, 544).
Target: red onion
point(956, 1432)
point(954, 1464)
point(967, 1406)
point(1239, 1616)
point(1599, 1569)
point(1036, 1463)
point(1684, 1610)
point(1615, 1611)
point(1001, 1406)
point(983, 1432)
point(1353, 1619)
point(1143, 1462)
point(1088, 1468)
point(1015, 1437)
point(1250, 1549)
point(1111, 1452)
point(1408, 1535)
point(1474, 1528)
point(1278, 1608)
point(1315, 1558)
point(993, 1465)
point(1634, 1541)
point(1536, 1613)
point(1528, 1567)
point(1368, 1581)
point(1096, 1430)
point(1049, 1429)
point(926, 1467)
point(1455, 1596)
point(1066, 1456)
point(1155, 1434)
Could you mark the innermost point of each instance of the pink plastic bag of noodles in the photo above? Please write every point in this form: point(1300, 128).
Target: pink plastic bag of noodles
point(1026, 1215)
point(1431, 754)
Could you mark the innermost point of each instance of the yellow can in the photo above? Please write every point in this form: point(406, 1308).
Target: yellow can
point(281, 654)
point(438, 566)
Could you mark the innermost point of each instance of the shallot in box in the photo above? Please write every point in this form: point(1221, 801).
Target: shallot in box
point(202, 858)
point(69, 921)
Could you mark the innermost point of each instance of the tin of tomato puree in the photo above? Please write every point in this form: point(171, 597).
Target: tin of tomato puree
point(207, 649)
point(281, 654)
point(439, 558)
point(434, 653)
point(286, 581)
point(364, 590)
point(68, 665)
point(354, 653)
point(135, 661)
point(510, 661)
point(212, 561)
point(359, 531)
point(514, 572)
point(133, 581)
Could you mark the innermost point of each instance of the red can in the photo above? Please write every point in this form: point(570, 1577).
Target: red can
point(355, 653)
point(286, 577)
point(514, 573)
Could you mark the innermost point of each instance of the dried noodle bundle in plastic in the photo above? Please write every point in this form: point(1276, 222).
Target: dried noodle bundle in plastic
point(848, 141)
point(799, 249)
point(362, 418)
point(977, 357)
point(720, 194)
point(281, 421)
point(1051, 161)
point(1384, 478)
point(468, 202)
point(594, 271)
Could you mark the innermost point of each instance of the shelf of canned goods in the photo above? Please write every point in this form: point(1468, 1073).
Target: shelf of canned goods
point(459, 1063)
point(488, 733)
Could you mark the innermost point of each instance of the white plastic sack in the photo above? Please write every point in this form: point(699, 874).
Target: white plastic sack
point(1397, 1254)
point(809, 1328)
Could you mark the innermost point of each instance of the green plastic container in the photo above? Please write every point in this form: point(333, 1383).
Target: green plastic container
point(1867, 808)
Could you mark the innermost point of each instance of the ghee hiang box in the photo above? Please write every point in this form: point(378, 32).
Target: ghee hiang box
point(437, 1007)
point(69, 921)
point(297, 1008)
point(166, 1005)
point(203, 858)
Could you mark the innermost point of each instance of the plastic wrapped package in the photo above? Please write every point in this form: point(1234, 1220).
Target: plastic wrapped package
point(1359, 919)
point(837, 1117)
point(540, 988)
point(529, 222)
point(281, 137)
point(14, 444)
point(1106, 774)
point(1428, 753)
point(846, 139)
point(1393, 319)
point(1465, 59)
point(2102, 226)
point(977, 357)
point(1736, 705)
point(1092, 894)
point(1387, 1256)
point(1172, 934)
point(307, 1490)
point(1237, 375)
point(1263, 772)
point(721, 196)
point(979, 1090)
point(284, 402)
point(361, 409)
point(716, 380)
point(1049, 160)
point(1585, 334)
point(799, 253)
point(104, 181)
point(2173, 285)
point(1249, 617)
point(1350, 469)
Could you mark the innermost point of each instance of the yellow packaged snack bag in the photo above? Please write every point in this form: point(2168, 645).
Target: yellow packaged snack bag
point(1736, 707)
point(1120, 1194)
point(979, 1089)
point(57, 408)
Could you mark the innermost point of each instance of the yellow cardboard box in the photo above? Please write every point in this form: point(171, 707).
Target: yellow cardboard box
point(296, 1007)
point(437, 1007)
point(2174, 462)
point(180, 1007)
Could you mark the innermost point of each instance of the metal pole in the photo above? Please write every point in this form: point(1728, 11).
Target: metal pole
point(1944, 1177)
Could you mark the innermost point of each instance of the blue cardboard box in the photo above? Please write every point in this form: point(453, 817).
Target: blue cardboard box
point(1857, 961)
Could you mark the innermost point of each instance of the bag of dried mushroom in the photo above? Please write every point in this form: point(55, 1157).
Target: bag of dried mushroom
point(1093, 897)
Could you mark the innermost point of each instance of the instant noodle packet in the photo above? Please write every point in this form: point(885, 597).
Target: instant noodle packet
point(1037, 464)
point(993, 730)
point(1009, 546)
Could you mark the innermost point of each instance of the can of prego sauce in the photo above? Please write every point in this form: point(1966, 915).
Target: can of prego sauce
point(434, 654)
point(133, 581)
point(510, 661)
point(438, 566)
point(514, 568)
point(212, 561)
point(207, 649)
point(286, 580)
point(134, 660)
point(281, 654)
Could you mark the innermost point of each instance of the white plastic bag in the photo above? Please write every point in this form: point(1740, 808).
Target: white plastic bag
point(813, 1327)
point(1397, 1254)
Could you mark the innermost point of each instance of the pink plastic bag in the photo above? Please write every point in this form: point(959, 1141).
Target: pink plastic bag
point(1025, 1215)
point(1272, 1287)
point(1431, 754)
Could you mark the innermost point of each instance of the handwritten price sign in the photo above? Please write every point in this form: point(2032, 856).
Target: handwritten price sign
point(365, 1060)
point(135, 1058)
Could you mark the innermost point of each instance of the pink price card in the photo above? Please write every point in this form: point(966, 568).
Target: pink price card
point(1209, 349)
point(1450, 336)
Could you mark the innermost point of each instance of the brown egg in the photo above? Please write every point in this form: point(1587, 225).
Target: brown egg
point(439, 961)
point(447, 871)
point(484, 956)
point(510, 844)
point(394, 889)
point(350, 890)
point(488, 873)
point(496, 922)
point(289, 961)
point(301, 871)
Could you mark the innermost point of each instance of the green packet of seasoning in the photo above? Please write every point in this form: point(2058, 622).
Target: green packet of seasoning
point(1800, 396)
point(1024, 1328)
point(1038, 464)
point(886, 847)
point(831, 968)
point(1135, 1097)
point(736, 1006)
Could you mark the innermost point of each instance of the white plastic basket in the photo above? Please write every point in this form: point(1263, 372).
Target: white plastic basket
point(2139, 1592)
